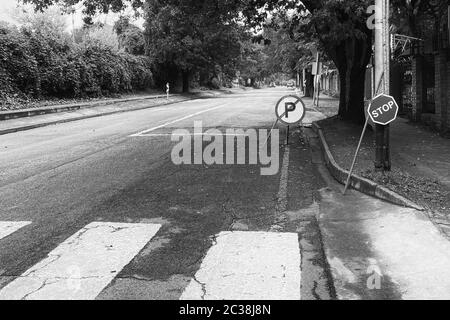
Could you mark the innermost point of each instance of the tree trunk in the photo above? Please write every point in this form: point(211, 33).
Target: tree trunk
point(186, 80)
point(351, 99)
point(309, 88)
point(351, 58)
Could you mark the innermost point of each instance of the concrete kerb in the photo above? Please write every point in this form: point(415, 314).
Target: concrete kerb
point(22, 113)
point(44, 124)
point(363, 185)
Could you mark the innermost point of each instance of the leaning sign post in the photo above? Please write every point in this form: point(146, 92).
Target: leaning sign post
point(382, 110)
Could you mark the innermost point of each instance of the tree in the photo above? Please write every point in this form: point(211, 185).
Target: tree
point(40, 59)
point(131, 37)
point(409, 16)
point(187, 37)
point(100, 33)
point(341, 29)
point(253, 62)
point(191, 36)
point(90, 7)
point(288, 53)
point(184, 37)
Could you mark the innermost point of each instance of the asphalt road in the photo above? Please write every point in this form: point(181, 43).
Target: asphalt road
point(106, 214)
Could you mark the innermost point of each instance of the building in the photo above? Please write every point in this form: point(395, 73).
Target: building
point(330, 82)
point(427, 82)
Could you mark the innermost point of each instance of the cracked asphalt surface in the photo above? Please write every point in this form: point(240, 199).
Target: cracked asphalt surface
point(63, 177)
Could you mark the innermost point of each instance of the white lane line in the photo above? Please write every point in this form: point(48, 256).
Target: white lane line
point(8, 227)
point(83, 265)
point(176, 134)
point(175, 121)
point(249, 266)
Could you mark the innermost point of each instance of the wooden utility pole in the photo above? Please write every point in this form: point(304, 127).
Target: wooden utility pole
point(382, 60)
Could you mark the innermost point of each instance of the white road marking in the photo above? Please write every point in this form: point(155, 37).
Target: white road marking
point(249, 266)
point(8, 227)
point(83, 265)
point(175, 121)
point(191, 134)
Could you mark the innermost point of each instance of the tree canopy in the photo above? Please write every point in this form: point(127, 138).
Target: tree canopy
point(131, 38)
point(191, 36)
point(187, 37)
point(339, 27)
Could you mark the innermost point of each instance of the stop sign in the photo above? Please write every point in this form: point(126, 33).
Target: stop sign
point(383, 109)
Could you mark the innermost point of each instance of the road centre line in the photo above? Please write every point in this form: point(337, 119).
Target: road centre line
point(192, 134)
point(176, 120)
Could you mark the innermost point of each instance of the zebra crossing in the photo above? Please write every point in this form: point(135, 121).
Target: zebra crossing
point(8, 227)
point(249, 266)
point(240, 265)
point(83, 265)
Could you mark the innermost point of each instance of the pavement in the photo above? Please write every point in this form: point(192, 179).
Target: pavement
point(414, 147)
point(420, 166)
point(425, 150)
point(378, 250)
point(97, 209)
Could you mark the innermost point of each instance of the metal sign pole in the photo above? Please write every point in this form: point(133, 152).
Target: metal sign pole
point(382, 110)
point(386, 72)
point(287, 136)
point(356, 155)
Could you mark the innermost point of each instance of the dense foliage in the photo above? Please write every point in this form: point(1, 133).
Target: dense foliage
point(414, 17)
point(193, 38)
point(190, 41)
point(131, 38)
point(37, 62)
point(196, 42)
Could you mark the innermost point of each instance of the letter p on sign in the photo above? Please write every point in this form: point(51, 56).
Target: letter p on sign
point(383, 109)
point(289, 107)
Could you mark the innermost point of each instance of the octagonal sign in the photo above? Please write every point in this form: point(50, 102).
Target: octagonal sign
point(383, 109)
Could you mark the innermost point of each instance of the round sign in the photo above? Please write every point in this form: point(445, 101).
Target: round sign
point(290, 110)
point(383, 109)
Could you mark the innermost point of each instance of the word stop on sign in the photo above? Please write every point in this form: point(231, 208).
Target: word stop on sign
point(383, 109)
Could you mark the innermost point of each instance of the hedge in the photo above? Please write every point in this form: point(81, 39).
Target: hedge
point(33, 64)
